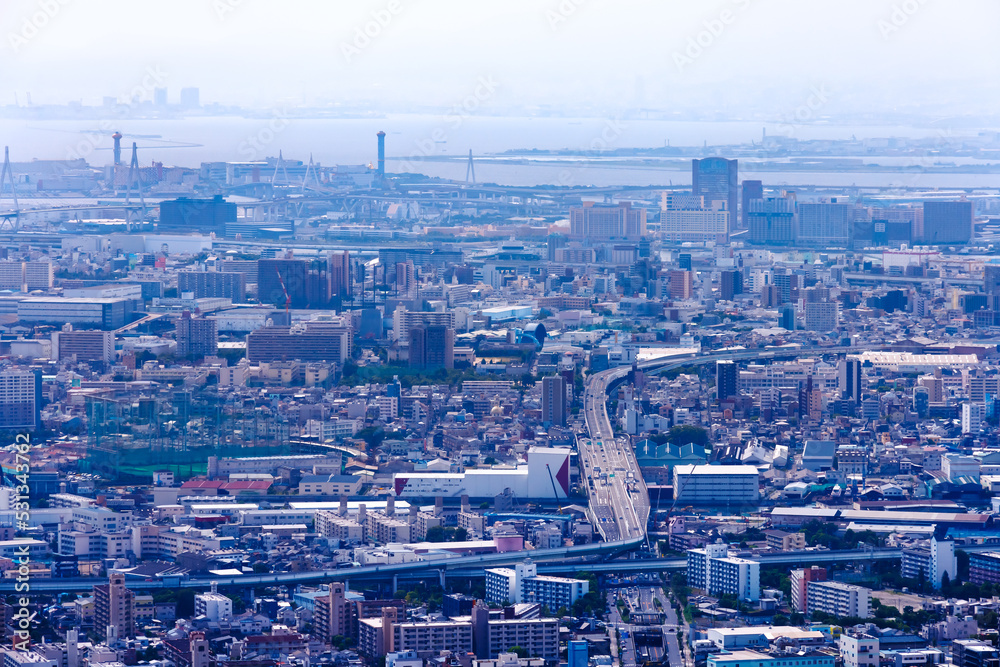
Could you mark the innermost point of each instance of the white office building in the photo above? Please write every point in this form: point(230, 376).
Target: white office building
point(712, 570)
point(523, 584)
point(972, 417)
point(931, 562)
point(213, 605)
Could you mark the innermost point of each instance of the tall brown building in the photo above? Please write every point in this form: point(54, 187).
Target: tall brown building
point(114, 607)
point(333, 615)
point(432, 346)
point(339, 274)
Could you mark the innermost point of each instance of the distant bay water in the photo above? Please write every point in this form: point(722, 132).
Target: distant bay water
point(409, 138)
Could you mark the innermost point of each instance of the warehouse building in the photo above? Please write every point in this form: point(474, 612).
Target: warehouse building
point(545, 475)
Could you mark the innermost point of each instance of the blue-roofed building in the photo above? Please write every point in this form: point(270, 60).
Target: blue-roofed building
point(656, 462)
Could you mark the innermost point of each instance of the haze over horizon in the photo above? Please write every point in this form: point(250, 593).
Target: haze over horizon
point(731, 58)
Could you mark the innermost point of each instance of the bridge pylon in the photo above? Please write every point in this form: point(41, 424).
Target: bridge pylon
point(470, 170)
point(134, 177)
point(11, 220)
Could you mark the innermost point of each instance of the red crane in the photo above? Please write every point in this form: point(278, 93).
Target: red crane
point(288, 299)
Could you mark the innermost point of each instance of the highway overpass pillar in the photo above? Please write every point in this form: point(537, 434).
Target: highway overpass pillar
point(441, 576)
point(395, 583)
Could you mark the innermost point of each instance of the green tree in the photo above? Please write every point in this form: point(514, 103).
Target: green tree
point(686, 434)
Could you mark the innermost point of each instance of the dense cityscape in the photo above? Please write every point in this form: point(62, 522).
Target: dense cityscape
point(710, 403)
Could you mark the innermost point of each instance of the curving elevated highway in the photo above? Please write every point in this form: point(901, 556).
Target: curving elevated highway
point(619, 500)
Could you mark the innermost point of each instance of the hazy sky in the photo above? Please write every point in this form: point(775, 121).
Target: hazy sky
point(771, 55)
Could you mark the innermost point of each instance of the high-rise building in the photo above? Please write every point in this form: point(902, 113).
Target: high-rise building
point(20, 399)
point(823, 224)
point(681, 285)
point(947, 222)
point(696, 226)
point(114, 608)
point(821, 316)
point(333, 614)
point(12, 276)
point(991, 279)
point(931, 562)
point(605, 222)
point(921, 401)
point(787, 317)
point(772, 221)
point(312, 341)
point(160, 97)
point(403, 319)
point(730, 284)
point(38, 275)
point(213, 284)
point(787, 284)
point(726, 379)
point(554, 400)
point(304, 283)
point(198, 336)
point(339, 273)
point(432, 346)
point(972, 418)
point(78, 346)
point(849, 380)
point(751, 190)
point(553, 243)
point(577, 653)
point(716, 179)
point(799, 580)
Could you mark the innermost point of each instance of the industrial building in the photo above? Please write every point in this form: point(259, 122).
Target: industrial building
point(544, 476)
point(716, 485)
point(104, 313)
point(200, 215)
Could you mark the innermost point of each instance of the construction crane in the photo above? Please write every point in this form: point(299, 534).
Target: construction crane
point(288, 299)
point(554, 491)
